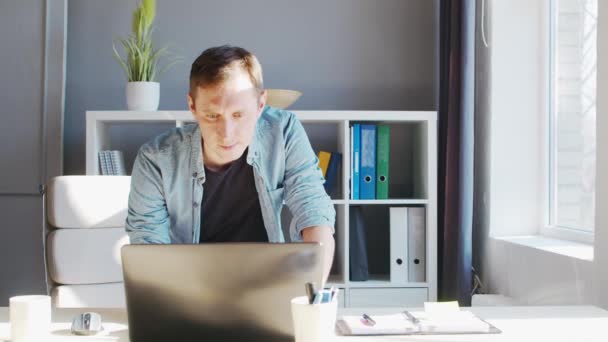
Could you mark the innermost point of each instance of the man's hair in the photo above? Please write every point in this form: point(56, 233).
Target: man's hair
point(213, 66)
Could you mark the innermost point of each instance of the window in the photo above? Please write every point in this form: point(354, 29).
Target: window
point(572, 117)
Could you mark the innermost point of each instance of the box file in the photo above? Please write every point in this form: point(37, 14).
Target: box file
point(382, 157)
point(368, 162)
point(398, 245)
point(416, 236)
point(356, 161)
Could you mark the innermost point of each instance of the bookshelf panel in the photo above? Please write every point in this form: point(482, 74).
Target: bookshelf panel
point(372, 222)
point(388, 297)
point(408, 158)
point(129, 137)
point(329, 137)
point(369, 226)
point(324, 136)
point(412, 183)
point(407, 166)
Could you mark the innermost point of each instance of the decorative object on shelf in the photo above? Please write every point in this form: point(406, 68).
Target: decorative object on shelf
point(282, 98)
point(141, 61)
point(112, 163)
point(143, 95)
point(330, 163)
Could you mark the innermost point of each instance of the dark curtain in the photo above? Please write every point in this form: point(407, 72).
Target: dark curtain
point(456, 143)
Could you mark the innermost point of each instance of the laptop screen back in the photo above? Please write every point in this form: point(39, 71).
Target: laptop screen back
point(224, 291)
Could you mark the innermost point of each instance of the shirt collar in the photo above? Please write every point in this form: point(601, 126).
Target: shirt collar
point(196, 157)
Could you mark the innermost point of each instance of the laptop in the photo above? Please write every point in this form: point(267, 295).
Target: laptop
point(216, 292)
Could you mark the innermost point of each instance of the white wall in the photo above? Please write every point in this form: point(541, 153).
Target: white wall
point(517, 184)
point(516, 101)
point(532, 276)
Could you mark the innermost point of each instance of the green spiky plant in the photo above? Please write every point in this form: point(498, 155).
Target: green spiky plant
point(141, 61)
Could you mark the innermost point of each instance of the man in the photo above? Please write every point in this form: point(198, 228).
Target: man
point(226, 178)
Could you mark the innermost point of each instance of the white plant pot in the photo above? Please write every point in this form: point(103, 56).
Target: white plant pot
point(143, 95)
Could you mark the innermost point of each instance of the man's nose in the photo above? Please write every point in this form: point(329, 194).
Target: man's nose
point(226, 128)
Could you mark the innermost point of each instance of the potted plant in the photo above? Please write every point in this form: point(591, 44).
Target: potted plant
point(141, 61)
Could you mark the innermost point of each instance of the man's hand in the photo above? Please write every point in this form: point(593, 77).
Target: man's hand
point(322, 234)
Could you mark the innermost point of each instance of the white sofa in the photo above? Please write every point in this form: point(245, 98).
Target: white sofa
point(86, 217)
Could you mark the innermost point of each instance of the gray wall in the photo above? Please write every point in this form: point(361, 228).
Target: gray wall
point(481, 214)
point(342, 54)
point(31, 96)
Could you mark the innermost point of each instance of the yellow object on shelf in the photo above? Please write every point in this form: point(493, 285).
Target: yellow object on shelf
point(324, 161)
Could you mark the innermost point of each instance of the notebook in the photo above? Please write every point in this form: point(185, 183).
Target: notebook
point(433, 320)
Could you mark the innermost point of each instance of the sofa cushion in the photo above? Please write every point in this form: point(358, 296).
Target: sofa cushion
point(85, 256)
point(88, 201)
point(110, 295)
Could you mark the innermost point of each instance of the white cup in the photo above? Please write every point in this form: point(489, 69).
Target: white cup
point(30, 318)
point(313, 322)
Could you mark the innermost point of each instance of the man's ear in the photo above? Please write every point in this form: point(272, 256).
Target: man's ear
point(262, 101)
point(191, 104)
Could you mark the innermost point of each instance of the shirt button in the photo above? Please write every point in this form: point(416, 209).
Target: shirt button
point(194, 204)
point(194, 175)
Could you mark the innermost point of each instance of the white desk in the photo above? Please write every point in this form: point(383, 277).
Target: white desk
point(519, 324)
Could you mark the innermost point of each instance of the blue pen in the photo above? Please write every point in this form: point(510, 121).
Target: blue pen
point(318, 298)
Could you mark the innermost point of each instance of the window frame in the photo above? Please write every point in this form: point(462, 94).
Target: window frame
point(550, 163)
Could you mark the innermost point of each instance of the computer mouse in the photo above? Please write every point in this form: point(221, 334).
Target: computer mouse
point(87, 323)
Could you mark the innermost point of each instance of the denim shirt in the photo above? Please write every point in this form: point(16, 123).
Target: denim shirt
point(167, 182)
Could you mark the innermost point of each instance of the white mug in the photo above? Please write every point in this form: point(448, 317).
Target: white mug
point(30, 318)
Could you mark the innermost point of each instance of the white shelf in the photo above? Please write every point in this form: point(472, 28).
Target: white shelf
point(390, 202)
point(417, 130)
point(303, 115)
point(384, 284)
point(313, 116)
point(381, 202)
point(139, 116)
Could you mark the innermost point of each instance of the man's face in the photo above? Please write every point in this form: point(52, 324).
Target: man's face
point(227, 114)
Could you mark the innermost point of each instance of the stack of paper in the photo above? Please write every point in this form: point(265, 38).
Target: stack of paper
point(395, 324)
point(438, 318)
point(455, 322)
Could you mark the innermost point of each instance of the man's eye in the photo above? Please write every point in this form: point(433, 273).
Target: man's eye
point(237, 115)
point(212, 116)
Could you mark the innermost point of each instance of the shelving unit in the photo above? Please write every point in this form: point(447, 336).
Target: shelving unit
point(412, 182)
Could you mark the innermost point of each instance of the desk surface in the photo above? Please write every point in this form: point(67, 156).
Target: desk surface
point(524, 323)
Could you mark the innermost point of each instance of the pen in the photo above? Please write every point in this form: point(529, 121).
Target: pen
point(334, 292)
point(310, 292)
point(369, 319)
point(411, 317)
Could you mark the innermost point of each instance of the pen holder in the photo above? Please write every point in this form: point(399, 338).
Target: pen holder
point(30, 318)
point(313, 322)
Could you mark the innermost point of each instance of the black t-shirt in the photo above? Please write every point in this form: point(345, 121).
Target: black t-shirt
point(231, 207)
